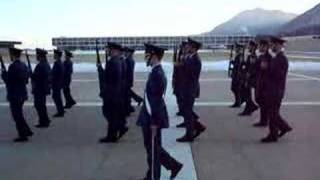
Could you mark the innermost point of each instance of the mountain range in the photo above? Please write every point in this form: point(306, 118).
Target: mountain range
point(270, 22)
point(306, 24)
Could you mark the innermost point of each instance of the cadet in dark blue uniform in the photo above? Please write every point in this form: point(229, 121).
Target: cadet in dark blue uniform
point(122, 125)
point(248, 73)
point(277, 76)
point(130, 80)
point(177, 77)
point(190, 90)
point(153, 117)
point(68, 70)
point(235, 76)
point(262, 82)
point(112, 94)
point(57, 83)
point(41, 81)
point(16, 79)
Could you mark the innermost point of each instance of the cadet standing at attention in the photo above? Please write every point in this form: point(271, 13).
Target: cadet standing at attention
point(249, 79)
point(112, 92)
point(277, 76)
point(57, 83)
point(235, 76)
point(41, 80)
point(190, 91)
point(122, 124)
point(130, 80)
point(262, 82)
point(177, 76)
point(16, 80)
point(153, 117)
point(68, 70)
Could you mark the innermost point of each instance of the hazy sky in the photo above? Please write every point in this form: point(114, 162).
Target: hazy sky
point(35, 22)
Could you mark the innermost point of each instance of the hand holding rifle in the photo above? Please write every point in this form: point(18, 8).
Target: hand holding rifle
point(3, 70)
point(230, 68)
point(29, 63)
point(100, 70)
point(175, 52)
point(98, 56)
point(180, 54)
point(30, 68)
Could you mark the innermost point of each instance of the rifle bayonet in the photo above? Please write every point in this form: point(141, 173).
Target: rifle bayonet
point(29, 63)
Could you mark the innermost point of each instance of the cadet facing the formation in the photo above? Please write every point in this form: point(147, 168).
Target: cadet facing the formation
point(153, 117)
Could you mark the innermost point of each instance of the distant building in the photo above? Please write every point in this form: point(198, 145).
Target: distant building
point(89, 43)
point(309, 43)
point(8, 44)
point(4, 45)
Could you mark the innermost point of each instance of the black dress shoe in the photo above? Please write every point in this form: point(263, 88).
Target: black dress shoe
point(108, 140)
point(199, 131)
point(259, 125)
point(244, 113)
point(181, 125)
point(59, 115)
point(122, 132)
point(132, 110)
point(70, 105)
point(269, 139)
point(185, 139)
point(176, 170)
point(284, 132)
point(20, 139)
point(42, 125)
point(253, 109)
point(235, 105)
point(29, 134)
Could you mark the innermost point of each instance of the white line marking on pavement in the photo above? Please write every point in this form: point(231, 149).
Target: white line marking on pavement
point(96, 80)
point(85, 80)
point(305, 76)
point(229, 80)
point(79, 104)
point(200, 104)
point(225, 104)
point(201, 80)
point(303, 57)
point(300, 78)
